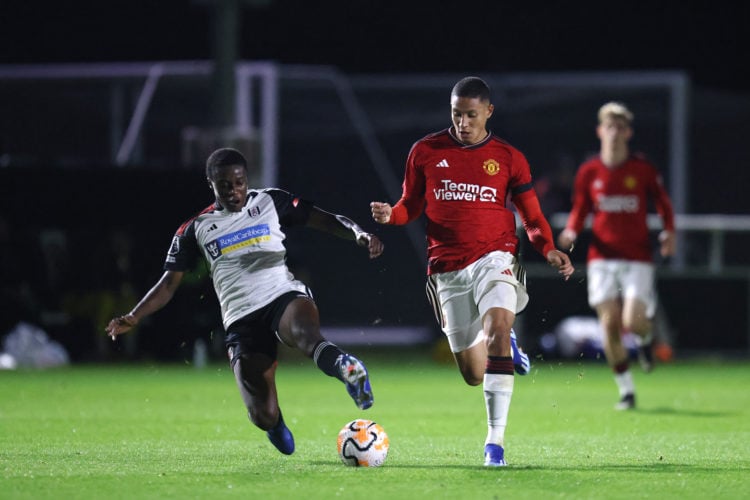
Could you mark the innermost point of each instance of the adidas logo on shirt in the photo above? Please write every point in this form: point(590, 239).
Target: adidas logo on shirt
point(442, 163)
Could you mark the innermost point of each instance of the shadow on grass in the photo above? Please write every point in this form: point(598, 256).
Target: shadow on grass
point(663, 410)
point(654, 467)
point(650, 468)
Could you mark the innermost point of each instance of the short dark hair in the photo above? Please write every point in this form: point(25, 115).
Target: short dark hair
point(472, 87)
point(224, 157)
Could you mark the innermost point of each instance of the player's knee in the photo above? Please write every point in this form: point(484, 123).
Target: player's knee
point(497, 331)
point(305, 342)
point(472, 377)
point(307, 338)
point(610, 323)
point(639, 326)
point(499, 325)
point(496, 339)
point(303, 335)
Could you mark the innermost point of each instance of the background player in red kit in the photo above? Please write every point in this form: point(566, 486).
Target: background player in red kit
point(616, 187)
point(241, 238)
point(460, 177)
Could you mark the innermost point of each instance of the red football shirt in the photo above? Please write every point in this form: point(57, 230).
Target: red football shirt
point(462, 190)
point(618, 198)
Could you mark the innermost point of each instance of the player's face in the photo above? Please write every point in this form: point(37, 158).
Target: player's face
point(614, 132)
point(469, 116)
point(230, 187)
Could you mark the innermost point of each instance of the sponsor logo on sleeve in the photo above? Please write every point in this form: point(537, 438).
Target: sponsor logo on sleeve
point(174, 248)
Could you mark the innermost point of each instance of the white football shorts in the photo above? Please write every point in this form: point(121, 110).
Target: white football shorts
point(461, 298)
point(613, 278)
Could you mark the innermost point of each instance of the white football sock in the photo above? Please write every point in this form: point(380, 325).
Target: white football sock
point(498, 390)
point(625, 383)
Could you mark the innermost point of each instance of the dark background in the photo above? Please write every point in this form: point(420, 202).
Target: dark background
point(706, 40)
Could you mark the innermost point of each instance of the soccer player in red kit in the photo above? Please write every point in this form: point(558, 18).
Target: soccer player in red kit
point(460, 178)
point(616, 187)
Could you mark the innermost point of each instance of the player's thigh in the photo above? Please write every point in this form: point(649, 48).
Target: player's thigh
point(255, 374)
point(609, 313)
point(498, 304)
point(252, 348)
point(299, 325)
point(452, 300)
point(636, 315)
point(499, 281)
point(638, 291)
point(603, 282)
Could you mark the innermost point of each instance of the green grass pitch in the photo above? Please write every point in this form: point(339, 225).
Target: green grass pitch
point(172, 431)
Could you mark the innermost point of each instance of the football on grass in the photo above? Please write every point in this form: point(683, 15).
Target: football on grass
point(363, 443)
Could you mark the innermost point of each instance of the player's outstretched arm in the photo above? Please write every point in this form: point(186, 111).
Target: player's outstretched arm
point(345, 228)
point(156, 298)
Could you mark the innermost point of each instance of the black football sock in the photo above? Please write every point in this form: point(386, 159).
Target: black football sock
point(325, 355)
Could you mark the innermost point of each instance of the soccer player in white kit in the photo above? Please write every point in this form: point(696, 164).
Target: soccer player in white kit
point(240, 236)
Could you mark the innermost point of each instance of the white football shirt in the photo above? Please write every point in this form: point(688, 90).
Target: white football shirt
point(244, 250)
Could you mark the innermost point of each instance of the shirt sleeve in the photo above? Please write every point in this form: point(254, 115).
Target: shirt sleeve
point(663, 203)
point(537, 228)
point(292, 210)
point(526, 201)
point(183, 253)
point(581, 201)
point(412, 202)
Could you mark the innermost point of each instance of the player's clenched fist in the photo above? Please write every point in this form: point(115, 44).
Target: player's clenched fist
point(381, 212)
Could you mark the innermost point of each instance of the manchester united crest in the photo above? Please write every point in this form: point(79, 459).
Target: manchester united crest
point(630, 182)
point(491, 167)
